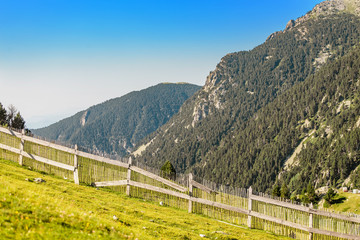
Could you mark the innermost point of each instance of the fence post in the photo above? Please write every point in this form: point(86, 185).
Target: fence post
point(76, 166)
point(310, 221)
point(22, 142)
point(128, 177)
point(190, 192)
point(249, 207)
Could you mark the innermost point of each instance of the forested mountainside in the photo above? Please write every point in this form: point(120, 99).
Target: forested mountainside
point(321, 115)
point(257, 106)
point(113, 127)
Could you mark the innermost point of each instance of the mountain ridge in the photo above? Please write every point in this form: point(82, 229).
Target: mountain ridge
point(115, 126)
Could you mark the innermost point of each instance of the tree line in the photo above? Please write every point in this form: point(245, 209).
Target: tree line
point(11, 118)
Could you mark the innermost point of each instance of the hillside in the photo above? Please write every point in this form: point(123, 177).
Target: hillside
point(116, 125)
point(257, 106)
point(322, 112)
point(346, 202)
point(59, 209)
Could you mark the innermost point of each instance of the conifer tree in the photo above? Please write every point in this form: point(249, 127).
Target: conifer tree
point(3, 115)
point(329, 197)
point(311, 193)
point(18, 122)
point(285, 193)
point(276, 190)
point(168, 171)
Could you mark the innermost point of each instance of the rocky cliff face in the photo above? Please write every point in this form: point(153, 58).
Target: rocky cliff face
point(213, 92)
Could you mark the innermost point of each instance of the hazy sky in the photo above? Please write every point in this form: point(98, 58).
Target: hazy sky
point(58, 57)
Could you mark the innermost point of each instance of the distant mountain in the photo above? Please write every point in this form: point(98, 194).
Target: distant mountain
point(115, 126)
point(245, 126)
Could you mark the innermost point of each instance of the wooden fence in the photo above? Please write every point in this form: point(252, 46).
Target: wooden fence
point(242, 206)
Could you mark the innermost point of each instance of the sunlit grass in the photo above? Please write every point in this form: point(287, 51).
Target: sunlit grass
point(59, 209)
point(346, 202)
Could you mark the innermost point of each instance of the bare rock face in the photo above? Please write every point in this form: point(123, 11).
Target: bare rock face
point(214, 90)
point(329, 7)
point(273, 35)
point(212, 80)
point(290, 25)
point(84, 118)
point(353, 5)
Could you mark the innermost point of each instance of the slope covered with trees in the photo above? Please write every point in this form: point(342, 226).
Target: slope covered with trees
point(242, 126)
point(323, 111)
point(115, 126)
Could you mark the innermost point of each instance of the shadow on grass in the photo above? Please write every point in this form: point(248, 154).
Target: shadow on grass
point(339, 200)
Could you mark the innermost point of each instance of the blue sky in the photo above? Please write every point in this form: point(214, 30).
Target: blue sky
point(58, 57)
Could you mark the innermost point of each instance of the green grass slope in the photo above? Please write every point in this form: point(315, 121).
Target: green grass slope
point(59, 209)
point(346, 202)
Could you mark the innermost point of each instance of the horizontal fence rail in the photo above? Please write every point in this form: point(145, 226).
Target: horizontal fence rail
point(240, 206)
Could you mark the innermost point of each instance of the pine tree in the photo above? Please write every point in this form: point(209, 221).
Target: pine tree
point(168, 171)
point(18, 122)
point(311, 193)
point(3, 116)
point(329, 197)
point(276, 190)
point(285, 193)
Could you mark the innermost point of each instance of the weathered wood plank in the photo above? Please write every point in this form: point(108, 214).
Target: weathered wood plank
point(22, 143)
point(128, 178)
point(11, 149)
point(279, 221)
point(249, 220)
point(311, 220)
point(280, 203)
point(333, 234)
point(202, 187)
point(303, 228)
point(10, 132)
point(219, 205)
point(76, 167)
point(334, 215)
point(102, 159)
point(161, 190)
point(48, 161)
point(49, 144)
point(64, 149)
point(110, 183)
point(305, 209)
point(160, 179)
point(190, 207)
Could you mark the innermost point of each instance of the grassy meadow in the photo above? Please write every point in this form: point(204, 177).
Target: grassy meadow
point(346, 202)
point(59, 209)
